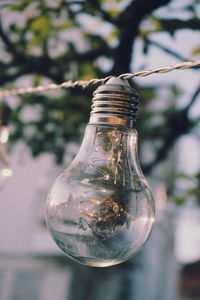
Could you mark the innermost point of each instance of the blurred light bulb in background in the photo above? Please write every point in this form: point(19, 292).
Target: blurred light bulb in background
point(5, 170)
point(100, 211)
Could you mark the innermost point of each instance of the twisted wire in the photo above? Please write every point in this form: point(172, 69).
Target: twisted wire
point(86, 83)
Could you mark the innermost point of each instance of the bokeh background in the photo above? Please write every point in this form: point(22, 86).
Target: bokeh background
point(44, 42)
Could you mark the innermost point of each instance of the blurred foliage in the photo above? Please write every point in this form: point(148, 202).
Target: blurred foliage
point(188, 188)
point(53, 41)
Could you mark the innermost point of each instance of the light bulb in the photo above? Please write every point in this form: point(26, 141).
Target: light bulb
point(100, 211)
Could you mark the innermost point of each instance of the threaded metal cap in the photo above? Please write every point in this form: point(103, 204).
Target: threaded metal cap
point(115, 102)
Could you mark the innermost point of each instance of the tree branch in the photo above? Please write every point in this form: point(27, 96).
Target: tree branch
point(178, 123)
point(166, 49)
point(193, 99)
point(95, 4)
point(11, 77)
point(86, 6)
point(171, 25)
point(8, 43)
point(129, 22)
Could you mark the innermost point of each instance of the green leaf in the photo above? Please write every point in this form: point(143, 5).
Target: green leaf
point(64, 26)
point(156, 24)
point(176, 91)
point(194, 192)
point(145, 46)
point(41, 28)
point(196, 51)
point(20, 6)
point(179, 200)
point(113, 35)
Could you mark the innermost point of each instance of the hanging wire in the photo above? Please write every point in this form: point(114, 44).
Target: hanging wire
point(86, 83)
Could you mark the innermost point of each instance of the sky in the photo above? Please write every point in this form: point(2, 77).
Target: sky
point(187, 230)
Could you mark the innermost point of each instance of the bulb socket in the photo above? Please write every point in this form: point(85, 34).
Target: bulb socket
point(115, 102)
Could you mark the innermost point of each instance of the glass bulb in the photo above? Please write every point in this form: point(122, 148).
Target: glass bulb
point(100, 211)
point(5, 170)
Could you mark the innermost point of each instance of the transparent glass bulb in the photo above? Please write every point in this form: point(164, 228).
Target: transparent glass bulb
point(100, 211)
point(5, 170)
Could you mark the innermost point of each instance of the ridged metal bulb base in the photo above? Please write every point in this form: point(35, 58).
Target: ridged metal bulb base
point(115, 103)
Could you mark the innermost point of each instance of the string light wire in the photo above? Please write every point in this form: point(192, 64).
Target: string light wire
point(86, 83)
